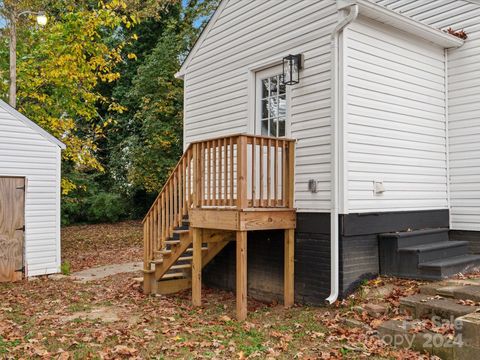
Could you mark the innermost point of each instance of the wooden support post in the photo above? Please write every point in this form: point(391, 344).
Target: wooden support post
point(242, 172)
point(197, 267)
point(241, 275)
point(289, 268)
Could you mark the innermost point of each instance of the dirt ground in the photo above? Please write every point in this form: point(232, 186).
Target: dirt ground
point(112, 319)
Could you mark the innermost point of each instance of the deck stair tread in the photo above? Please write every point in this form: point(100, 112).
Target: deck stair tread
point(173, 275)
point(172, 242)
point(181, 231)
point(185, 258)
point(434, 246)
point(181, 266)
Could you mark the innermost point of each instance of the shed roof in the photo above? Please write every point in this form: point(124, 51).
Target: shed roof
point(32, 125)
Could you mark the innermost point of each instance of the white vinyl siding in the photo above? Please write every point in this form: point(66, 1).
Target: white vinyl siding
point(217, 81)
point(26, 153)
point(463, 99)
point(394, 120)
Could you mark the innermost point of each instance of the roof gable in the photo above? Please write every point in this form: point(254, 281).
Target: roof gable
point(201, 38)
point(32, 125)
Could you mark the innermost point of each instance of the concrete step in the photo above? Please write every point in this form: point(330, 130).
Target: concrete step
point(443, 268)
point(453, 290)
point(405, 335)
point(416, 237)
point(434, 251)
point(421, 306)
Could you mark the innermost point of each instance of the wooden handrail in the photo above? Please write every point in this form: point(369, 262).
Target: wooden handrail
point(238, 171)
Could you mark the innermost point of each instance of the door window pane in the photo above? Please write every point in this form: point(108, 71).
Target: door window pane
point(264, 127)
point(273, 107)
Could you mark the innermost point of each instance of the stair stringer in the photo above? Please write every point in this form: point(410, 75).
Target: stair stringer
point(177, 251)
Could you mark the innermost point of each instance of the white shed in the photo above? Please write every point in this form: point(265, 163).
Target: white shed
point(30, 173)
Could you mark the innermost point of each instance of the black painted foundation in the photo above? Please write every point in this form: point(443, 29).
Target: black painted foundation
point(473, 237)
point(359, 257)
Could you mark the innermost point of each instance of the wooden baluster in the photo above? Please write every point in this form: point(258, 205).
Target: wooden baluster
point(175, 200)
point(167, 213)
point(189, 180)
point(260, 152)
point(225, 171)
point(160, 226)
point(202, 188)
point(150, 235)
point(146, 260)
point(209, 174)
point(284, 173)
point(155, 227)
point(275, 174)
point(180, 195)
point(291, 174)
point(269, 170)
point(220, 172)
point(254, 180)
point(163, 219)
point(242, 202)
point(172, 210)
point(232, 190)
point(214, 173)
point(184, 183)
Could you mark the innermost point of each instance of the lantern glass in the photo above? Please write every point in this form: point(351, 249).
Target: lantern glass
point(42, 19)
point(291, 69)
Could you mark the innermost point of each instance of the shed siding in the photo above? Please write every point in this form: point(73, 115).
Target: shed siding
point(464, 104)
point(217, 81)
point(26, 153)
point(395, 120)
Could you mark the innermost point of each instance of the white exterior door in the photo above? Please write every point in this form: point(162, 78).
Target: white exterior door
point(272, 100)
point(271, 120)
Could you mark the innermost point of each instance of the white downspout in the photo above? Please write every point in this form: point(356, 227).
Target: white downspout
point(334, 232)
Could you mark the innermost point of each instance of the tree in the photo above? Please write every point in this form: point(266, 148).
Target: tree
point(154, 149)
point(59, 70)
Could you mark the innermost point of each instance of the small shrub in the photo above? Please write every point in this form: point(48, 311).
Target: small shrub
point(106, 207)
point(65, 268)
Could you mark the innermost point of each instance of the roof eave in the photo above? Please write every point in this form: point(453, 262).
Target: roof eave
point(18, 115)
point(406, 24)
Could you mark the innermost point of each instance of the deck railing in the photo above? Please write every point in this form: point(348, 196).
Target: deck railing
point(239, 171)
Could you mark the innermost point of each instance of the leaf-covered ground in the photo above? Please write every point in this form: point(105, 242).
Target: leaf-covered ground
point(86, 246)
point(112, 319)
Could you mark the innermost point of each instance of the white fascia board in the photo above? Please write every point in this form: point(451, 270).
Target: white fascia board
point(32, 125)
point(404, 23)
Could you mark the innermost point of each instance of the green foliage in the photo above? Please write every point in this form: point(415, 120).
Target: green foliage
point(65, 268)
point(6, 345)
point(106, 207)
point(100, 77)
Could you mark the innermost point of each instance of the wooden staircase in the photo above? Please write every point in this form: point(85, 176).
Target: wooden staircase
point(172, 266)
point(219, 190)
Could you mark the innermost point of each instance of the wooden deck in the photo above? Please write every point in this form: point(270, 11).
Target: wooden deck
point(220, 189)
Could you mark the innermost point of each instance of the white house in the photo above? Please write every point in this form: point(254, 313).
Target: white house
point(386, 118)
point(30, 176)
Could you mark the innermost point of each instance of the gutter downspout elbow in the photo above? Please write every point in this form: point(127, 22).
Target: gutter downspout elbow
point(335, 140)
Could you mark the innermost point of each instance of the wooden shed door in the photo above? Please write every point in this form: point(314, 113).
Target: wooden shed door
point(12, 221)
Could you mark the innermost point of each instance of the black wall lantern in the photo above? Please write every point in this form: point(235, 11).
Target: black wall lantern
point(291, 69)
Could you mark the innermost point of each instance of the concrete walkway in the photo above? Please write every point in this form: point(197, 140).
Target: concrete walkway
point(104, 271)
